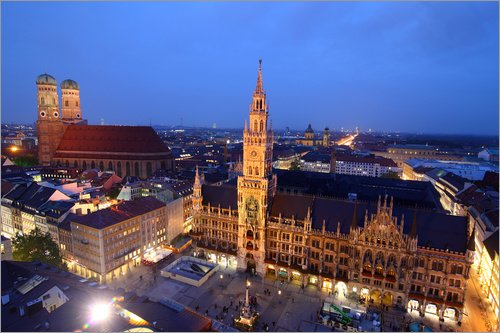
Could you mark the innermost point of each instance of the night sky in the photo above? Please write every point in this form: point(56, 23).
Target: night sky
point(414, 67)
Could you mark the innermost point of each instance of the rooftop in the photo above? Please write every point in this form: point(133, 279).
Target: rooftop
point(405, 192)
point(434, 229)
point(118, 213)
point(87, 140)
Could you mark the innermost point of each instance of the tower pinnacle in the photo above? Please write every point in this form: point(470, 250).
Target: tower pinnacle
point(259, 88)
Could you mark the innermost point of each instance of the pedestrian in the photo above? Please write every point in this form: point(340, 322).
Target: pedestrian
point(215, 305)
point(206, 312)
point(274, 323)
point(293, 300)
point(231, 303)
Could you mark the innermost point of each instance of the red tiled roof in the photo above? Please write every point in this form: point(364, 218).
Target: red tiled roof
point(91, 139)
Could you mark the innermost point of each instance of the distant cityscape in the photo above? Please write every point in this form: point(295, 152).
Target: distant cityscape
point(153, 228)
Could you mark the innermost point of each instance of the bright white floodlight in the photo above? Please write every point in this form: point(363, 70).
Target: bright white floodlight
point(100, 312)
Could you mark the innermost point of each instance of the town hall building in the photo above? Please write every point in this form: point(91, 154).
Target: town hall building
point(400, 256)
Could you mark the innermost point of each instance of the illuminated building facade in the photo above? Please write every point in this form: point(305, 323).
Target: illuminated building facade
point(106, 243)
point(67, 140)
point(489, 272)
point(309, 138)
point(337, 245)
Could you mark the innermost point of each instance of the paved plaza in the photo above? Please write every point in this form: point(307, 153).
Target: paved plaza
point(287, 307)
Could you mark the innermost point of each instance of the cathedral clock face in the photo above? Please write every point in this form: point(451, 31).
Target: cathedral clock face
point(42, 114)
point(253, 153)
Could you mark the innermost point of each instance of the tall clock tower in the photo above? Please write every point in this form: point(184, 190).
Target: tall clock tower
point(257, 185)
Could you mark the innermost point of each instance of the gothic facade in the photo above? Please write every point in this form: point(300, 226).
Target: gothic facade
point(356, 248)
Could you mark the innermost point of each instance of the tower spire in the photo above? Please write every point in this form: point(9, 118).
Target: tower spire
point(259, 88)
point(197, 182)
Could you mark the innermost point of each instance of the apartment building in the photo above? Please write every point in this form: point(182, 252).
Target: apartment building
point(108, 242)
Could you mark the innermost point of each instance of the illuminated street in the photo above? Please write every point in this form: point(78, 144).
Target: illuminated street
point(347, 141)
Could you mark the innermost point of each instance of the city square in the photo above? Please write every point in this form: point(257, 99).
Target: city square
point(289, 306)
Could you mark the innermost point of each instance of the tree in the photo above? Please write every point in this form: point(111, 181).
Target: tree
point(295, 165)
point(26, 161)
point(37, 246)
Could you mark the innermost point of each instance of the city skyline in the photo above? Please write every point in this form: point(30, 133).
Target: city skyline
point(442, 65)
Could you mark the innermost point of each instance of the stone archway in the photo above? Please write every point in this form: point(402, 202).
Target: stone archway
point(413, 305)
point(341, 289)
point(450, 313)
point(387, 299)
point(432, 308)
point(251, 266)
point(376, 296)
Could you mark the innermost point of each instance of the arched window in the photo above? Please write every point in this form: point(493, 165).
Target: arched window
point(149, 169)
point(92, 165)
point(76, 103)
point(136, 167)
point(262, 125)
point(119, 168)
point(75, 164)
point(101, 165)
point(42, 100)
point(53, 101)
point(84, 165)
point(110, 165)
point(127, 169)
point(66, 103)
point(250, 170)
point(256, 171)
point(255, 125)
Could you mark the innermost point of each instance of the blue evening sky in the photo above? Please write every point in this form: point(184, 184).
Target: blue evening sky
point(418, 67)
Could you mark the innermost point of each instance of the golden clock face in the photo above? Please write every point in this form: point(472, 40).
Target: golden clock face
point(253, 153)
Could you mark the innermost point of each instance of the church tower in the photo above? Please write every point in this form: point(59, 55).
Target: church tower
point(257, 185)
point(49, 126)
point(71, 111)
point(326, 137)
